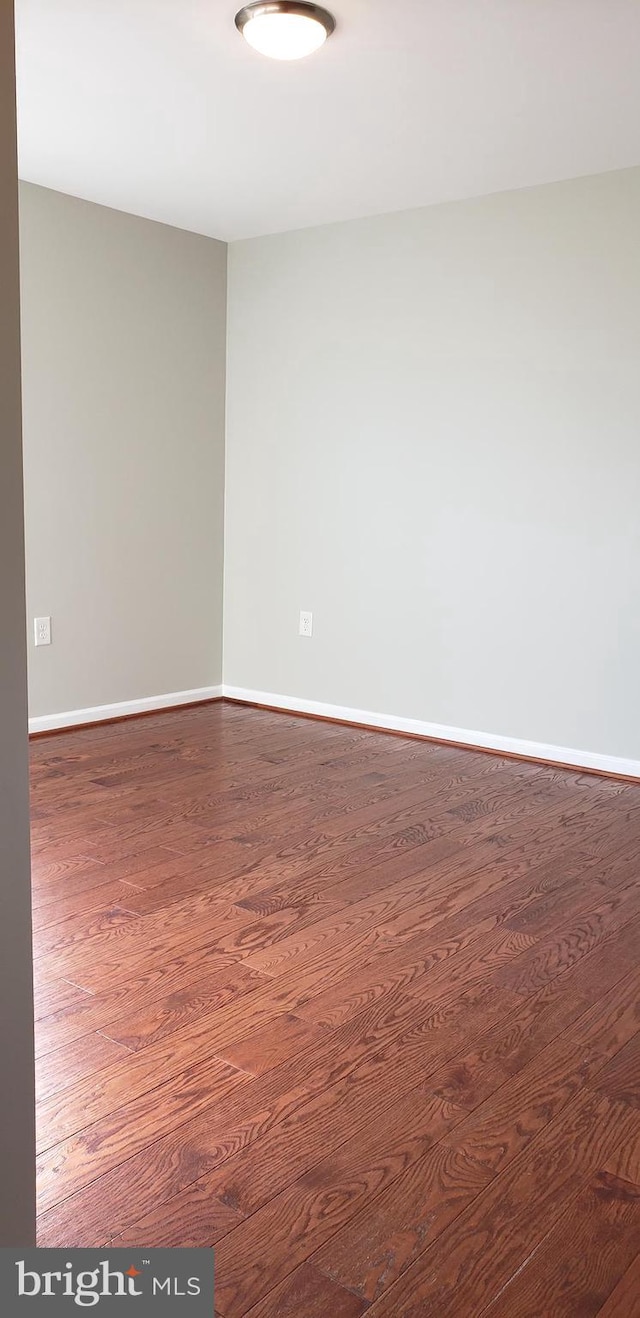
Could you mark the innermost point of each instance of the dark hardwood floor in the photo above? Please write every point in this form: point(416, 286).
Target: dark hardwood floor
point(363, 1012)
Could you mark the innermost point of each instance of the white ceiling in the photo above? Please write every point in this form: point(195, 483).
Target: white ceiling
point(160, 108)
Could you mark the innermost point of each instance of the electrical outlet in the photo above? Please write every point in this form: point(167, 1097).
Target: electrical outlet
point(42, 629)
point(306, 624)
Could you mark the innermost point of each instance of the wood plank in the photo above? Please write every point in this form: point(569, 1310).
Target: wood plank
point(623, 1300)
point(57, 917)
point(134, 1074)
point(56, 995)
point(558, 1073)
point(106, 923)
point(165, 1167)
point(162, 1014)
point(262, 1250)
point(385, 1237)
point(85, 1157)
point(625, 1161)
point(620, 1078)
point(571, 942)
point(307, 1292)
point(370, 1048)
point(580, 1261)
point(75, 1061)
point(51, 876)
point(266, 1046)
point(193, 1219)
point(467, 1268)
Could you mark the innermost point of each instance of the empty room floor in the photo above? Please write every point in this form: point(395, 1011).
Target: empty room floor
point(360, 1011)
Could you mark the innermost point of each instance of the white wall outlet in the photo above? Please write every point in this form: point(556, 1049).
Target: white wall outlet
point(306, 624)
point(42, 629)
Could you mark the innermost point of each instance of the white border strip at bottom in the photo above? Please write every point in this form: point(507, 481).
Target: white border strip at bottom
point(102, 713)
point(529, 750)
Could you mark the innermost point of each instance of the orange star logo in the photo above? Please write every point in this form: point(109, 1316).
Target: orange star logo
point(133, 1272)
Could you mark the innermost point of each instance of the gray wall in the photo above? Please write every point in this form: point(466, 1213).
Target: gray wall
point(17, 1138)
point(434, 443)
point(123, 378)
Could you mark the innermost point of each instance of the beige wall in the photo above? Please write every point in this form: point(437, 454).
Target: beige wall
point(17, 1138)
point(434, 444)
point(123, 377)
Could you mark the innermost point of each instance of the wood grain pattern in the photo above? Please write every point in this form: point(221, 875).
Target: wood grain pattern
point(557, 1073)
point(93, 1151)
point(487, 1244)
point(620, 1078)
point(362, 1012)
point(307, 1292)
point(579, 1263)
point(623, 1300)
point(388, 1234)
point(67, 1065)
point(273, 1239)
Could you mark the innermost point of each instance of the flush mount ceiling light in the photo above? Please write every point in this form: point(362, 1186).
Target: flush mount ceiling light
point(285, 29)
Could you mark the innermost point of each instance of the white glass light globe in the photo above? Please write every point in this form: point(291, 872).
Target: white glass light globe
point(285, 36)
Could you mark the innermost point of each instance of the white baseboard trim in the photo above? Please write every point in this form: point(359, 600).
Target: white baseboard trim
point(527, 750)
point(125, 708)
